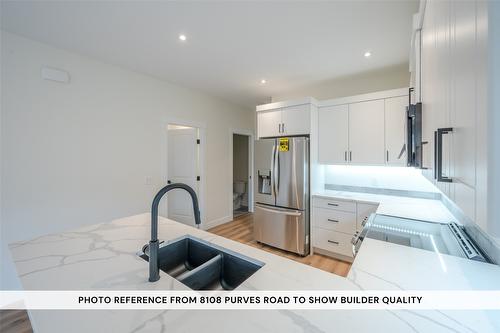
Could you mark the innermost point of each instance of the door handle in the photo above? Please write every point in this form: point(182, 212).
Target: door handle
point(439, 142)
point(387, 155)
point(283, 212)
point(332, 220)
point(277, 171)
point(283, 127)
point(333, 242)
point(403, 149)
point(273, 177)
point(435, 154)
point(345, 155)
point(350, 156)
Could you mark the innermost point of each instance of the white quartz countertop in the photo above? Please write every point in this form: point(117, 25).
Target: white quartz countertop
point(103, 256)
point(413, 208)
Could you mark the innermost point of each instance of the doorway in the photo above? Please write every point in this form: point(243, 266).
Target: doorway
point(183, 166)
point(242, 174)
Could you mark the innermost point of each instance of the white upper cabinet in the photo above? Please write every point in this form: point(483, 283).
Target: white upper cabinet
point(296, 119)
point(395, 130)
point(333, 132)
point(364, 130)
point(269, 123)
point(454, 95)
point(366, 133)
point(283, 118)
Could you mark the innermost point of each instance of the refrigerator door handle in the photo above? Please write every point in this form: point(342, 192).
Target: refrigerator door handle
point(276, 171)
point(273, 177)
point(279, 211)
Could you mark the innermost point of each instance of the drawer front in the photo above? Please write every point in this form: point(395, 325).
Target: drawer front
point(347, 206)
point(333, 241)
point(335, 220)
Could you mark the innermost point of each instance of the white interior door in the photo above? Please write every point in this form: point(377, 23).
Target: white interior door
point(182, 168)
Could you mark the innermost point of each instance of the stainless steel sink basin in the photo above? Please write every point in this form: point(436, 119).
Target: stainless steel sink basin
point(203, 266)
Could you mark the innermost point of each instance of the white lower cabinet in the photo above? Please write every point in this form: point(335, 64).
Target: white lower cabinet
point(335, 204)
point(335, 220)
point(335, 242)
point(334, 223)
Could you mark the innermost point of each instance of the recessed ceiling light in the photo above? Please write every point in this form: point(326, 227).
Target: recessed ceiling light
point(182, 37)
point(368, 54)
point(263, 81)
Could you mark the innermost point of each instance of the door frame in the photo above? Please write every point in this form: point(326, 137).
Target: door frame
point(250, 180)
point(202, 162)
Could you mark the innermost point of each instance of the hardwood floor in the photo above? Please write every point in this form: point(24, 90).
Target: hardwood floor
point(14, 321)
point(241, 230)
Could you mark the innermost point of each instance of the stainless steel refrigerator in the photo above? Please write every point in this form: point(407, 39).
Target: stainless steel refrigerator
point(281, 179)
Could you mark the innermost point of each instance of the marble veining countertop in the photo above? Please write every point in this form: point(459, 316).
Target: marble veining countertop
point(103, 256)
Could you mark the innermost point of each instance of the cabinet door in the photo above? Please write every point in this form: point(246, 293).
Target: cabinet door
point(296, 119)
point(463, 105)
point(428, 84)
point(366, 133)
point(333, 134)
point(395, 122)
point(268, 123)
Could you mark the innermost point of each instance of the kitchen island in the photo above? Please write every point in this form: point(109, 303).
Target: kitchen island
point(103, 257)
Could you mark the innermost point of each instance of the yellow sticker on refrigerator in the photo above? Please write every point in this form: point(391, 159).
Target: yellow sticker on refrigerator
point(283, 144)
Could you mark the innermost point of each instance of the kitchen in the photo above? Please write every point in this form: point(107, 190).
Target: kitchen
point(376, 171)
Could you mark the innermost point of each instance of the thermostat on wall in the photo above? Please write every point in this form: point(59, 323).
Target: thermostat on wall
point(55, 74)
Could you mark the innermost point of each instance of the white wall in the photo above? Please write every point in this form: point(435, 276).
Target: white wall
point(378, 177)
point(378, 80)
point(79, 153)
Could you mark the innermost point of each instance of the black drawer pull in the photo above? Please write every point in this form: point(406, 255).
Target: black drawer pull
point(331, 220)
point(333, 242)
point(332, 204)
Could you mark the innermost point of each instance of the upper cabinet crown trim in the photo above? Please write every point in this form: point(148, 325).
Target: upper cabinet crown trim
point(365, 97)
point(284, 104)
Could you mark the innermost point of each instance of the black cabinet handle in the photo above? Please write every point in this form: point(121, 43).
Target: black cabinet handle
point(435, 153)
point(438, 135)
point(332, 220)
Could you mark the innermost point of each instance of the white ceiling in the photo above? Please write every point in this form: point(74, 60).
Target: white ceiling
point(230, 45)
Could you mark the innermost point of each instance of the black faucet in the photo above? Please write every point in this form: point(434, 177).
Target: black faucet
point(154, 272)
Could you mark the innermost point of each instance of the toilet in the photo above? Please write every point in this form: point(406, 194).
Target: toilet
point(239, 190)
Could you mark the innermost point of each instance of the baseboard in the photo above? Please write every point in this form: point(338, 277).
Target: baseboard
point(216, 222)
point(333, 255)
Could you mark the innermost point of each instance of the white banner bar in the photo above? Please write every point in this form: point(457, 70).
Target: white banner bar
point(251, 300)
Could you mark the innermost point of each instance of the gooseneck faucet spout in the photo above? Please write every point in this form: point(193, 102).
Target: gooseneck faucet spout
point(154, 271)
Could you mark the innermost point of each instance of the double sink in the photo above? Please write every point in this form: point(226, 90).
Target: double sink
point(203, 266)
